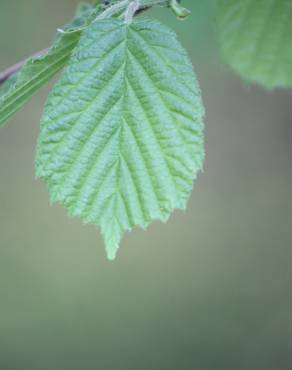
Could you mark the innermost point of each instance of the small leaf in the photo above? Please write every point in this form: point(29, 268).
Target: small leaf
point(121, 137)
point(8, 84)
point(38, 71)
point(256, 40)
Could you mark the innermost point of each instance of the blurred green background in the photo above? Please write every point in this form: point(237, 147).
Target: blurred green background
point(210, 290)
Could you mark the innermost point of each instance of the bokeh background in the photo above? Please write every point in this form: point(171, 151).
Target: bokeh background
point(211, 289)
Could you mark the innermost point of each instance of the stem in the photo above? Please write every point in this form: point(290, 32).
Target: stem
point(131, 11)
point(122, 5)
point(112, 10)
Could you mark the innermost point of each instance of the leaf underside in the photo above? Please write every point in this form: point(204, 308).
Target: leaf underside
point(122, 133)
point(256, 40)
point(38, 70)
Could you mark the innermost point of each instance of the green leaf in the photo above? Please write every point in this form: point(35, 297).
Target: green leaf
point(121, 137)
point(256, 40)
point(39, 70)
point(6, 86)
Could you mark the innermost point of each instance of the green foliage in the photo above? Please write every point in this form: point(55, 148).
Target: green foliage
point(256, 39)
point(122, 133)
point(121, 137)
point(40, 69)
point(8, 84)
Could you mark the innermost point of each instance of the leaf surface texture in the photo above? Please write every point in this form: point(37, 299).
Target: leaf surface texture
point(122, 133)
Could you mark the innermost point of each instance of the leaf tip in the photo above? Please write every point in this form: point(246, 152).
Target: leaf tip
point(112, 252)
point(112, 237)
